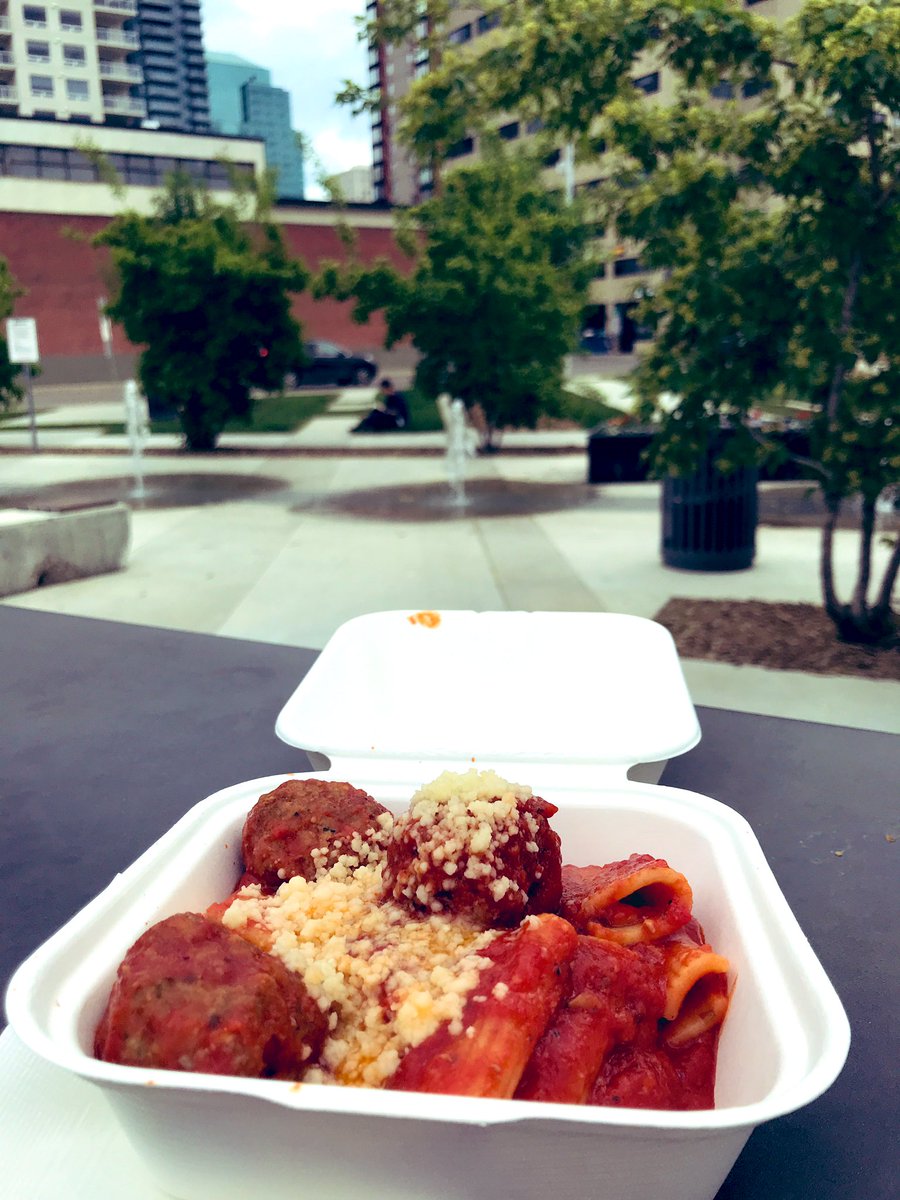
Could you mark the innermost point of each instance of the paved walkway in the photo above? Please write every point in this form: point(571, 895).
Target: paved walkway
point(283, 537)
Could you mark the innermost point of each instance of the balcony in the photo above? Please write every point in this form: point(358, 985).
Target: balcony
point(128, 72)
point(5, 26)
point(119, 6)
point(6, 58)
point(8, 95)
point(125, 104)
point(118, 37)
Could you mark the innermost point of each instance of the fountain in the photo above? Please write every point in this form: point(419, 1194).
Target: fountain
point(137, 426)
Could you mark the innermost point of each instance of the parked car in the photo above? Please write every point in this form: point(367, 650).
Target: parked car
point(325, 363)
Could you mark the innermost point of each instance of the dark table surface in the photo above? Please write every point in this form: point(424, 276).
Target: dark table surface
point(110, 732)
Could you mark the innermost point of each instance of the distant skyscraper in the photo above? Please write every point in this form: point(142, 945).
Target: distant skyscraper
point(244, 102)
point(227, 74)
point(355, 185)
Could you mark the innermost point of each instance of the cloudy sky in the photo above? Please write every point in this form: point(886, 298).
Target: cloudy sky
point(310, 47)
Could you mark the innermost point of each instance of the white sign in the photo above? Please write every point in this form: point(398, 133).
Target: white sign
point(21, 340)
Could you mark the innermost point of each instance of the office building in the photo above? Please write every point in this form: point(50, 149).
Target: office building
point(243, 102)
point(226, 74)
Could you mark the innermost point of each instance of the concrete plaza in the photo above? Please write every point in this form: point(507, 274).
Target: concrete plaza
point(281, 538)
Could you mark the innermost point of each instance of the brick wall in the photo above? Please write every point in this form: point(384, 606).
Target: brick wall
point(52, 258)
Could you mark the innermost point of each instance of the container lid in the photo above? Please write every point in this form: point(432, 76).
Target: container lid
point(504, 687)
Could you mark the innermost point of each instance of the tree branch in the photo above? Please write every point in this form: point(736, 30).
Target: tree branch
point(840, 370)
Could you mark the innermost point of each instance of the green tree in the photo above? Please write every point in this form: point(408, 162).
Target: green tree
point(766, 197)
point(204, 287)
point(10, 389)
point(495, 293)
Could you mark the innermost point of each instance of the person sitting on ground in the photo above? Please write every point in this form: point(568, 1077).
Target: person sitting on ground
point(389, 414)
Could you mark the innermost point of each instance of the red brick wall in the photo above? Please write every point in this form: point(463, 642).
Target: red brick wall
point(63, 275)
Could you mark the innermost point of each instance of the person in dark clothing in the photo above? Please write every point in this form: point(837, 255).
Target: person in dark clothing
point(390, 413)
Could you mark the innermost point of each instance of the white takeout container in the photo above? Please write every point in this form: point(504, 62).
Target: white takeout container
point(530, 686)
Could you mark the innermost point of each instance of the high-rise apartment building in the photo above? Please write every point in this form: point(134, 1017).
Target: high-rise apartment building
point(76, 63)
point(171, 40)
point(400, 180)
point(244, 103)
point(117, 62)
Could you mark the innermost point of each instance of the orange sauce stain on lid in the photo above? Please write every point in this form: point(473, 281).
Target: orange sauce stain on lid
point(430, 620)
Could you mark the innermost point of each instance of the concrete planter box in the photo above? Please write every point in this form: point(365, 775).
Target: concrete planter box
point(38, 548)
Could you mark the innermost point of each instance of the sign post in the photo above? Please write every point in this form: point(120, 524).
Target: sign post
point(22, 349)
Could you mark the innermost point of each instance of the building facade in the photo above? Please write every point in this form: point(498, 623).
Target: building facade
point(244, 102)
point(51, 207)
point(226, 75)
point(171, 40)
point(79, 63)
point(621, 279)
point(115, 62)
point(355, 185)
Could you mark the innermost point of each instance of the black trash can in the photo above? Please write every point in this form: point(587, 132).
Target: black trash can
point(709, 519)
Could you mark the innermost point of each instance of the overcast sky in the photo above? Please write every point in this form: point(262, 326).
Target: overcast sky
point(310, 47)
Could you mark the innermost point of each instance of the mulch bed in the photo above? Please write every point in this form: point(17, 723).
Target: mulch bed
point(783, 637)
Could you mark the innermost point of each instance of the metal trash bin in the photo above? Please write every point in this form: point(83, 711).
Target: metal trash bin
point(709, 519)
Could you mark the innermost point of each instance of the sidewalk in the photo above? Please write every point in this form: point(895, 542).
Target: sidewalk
point(283, 537)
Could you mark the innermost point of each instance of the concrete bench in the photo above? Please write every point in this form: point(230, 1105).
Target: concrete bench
point(38, 548)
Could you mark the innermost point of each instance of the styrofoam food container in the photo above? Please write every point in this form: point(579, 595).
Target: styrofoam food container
point(206, 1137)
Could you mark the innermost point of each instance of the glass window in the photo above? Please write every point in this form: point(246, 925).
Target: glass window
point(627, 266)
point(465, 146)
point(648, 83)
point(457, 36)
point(509, 132)
point(38, 51)
point(723, 90)
point(488, 21)
point(753, 87)
point(51, 164)
point(70, 20)
point(73, 56)
point(21, 161)
point(81, 169)
point(34, 16)
point(140, 169)
point(218, 176)
point(77, 89)
point(42, 85)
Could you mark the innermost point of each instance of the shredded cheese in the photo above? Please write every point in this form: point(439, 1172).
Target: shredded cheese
point(387, 980)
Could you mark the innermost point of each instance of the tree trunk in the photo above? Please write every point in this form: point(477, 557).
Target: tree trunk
point(200, 433)
point(858, 622)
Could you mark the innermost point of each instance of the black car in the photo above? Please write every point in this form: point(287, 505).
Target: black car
point(325, 363)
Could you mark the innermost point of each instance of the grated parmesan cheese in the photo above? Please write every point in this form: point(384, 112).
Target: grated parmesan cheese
point(387, 981)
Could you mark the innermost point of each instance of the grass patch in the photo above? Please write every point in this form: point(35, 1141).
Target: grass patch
point(423, 413)
point(271, 414)
point(586, 408)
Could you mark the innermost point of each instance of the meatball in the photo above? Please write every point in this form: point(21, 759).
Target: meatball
point(475, 844)
point(299, 816)
point(191, 995)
